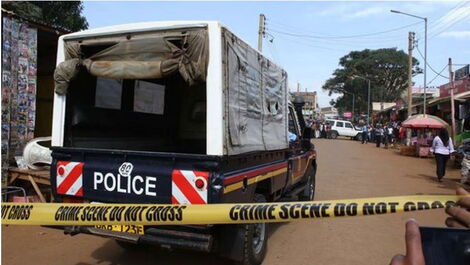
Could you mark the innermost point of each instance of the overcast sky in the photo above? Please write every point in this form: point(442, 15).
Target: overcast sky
point(324, 31)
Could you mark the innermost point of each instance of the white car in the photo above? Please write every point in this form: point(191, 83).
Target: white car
point(343, 128)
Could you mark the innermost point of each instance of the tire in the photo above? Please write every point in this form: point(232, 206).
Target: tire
point(358, 137)
point(334, 135)
point(255, 238)
point(309, 192)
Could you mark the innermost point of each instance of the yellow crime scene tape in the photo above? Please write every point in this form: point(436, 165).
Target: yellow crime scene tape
point(171, 214)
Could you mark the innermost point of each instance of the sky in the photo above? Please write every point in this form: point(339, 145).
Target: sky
point(323, 31)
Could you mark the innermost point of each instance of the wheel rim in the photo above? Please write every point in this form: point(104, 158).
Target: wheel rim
point(311, 187)
point(259, 232)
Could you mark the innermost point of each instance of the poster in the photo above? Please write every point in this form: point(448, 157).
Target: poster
point(19, 83)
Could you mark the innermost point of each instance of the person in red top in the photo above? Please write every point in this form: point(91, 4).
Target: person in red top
point(402, 134)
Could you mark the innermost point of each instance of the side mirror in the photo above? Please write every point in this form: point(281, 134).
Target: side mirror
point(307, 133)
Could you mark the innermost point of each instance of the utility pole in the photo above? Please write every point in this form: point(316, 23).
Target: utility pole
point(411, 36)
point(352, 112)
point(425, 62)
point(452, 106)
point(261, 29)
point(298, 87)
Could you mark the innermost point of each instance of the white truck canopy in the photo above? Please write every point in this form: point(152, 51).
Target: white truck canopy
point(246, 94)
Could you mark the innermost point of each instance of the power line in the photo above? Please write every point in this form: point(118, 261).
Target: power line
point(344, 36)
point(449, 22)
point(450, 25)
point(445, 67)
point(429, 64)
point(309, 43)
point(348, 44)
point(435, 23)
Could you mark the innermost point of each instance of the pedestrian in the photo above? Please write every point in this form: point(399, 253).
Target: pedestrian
point(317, 130)
point(402, 135)
point(389, 133)
point(442, 147)
point(379, 133)
point(364, 130)
point(323, 130)
point(328, 130)
point(372, 134)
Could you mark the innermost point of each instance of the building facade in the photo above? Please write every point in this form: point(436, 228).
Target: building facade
point(310, 109)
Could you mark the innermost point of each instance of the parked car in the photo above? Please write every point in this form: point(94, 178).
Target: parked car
point(344, 128)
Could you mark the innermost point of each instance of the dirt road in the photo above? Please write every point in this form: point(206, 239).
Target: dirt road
point(347, 169)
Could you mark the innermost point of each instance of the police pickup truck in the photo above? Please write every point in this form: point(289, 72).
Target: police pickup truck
point(176, 113)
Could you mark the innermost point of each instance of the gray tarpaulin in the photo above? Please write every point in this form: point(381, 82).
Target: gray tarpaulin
point(256, 98)
point(141, 58)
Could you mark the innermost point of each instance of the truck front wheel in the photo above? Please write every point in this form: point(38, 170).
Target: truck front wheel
point(255, 240)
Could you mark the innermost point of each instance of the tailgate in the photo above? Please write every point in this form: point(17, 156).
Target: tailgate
point(122, 177)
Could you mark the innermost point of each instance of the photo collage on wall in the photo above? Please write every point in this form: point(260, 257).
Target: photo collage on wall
point(19, 67)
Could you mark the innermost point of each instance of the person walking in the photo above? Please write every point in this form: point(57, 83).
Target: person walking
point(379, 133)
point(317, 130)
point(364, 131)
point(372, 133)
point(442, 147)
point(402, 135)
point(389, 135)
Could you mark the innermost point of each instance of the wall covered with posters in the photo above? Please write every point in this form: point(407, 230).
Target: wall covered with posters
point(19, 67)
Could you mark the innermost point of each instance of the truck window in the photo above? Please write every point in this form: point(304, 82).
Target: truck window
point(293, 123)
point(348, 125)
point(158, 115)
point(339, 124)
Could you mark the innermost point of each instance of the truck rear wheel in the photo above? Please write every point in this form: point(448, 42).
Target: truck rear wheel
point(255, 240)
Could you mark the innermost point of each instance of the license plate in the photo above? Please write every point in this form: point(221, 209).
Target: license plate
point(131, 229)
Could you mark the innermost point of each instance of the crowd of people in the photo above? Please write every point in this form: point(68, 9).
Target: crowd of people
point(393, 134)
point(388, 134)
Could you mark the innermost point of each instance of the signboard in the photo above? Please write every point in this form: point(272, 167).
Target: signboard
point(420, 90)
point(460, 86)
point(462, 72)
point(347, 114)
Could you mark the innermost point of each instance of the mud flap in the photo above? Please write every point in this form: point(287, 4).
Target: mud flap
point(230, 241)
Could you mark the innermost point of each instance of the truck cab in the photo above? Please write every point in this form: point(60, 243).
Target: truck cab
point(176, 113)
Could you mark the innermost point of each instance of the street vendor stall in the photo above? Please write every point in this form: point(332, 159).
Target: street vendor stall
point(423, 124)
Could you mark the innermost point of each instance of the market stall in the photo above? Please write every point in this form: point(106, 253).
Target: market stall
point(424, 126)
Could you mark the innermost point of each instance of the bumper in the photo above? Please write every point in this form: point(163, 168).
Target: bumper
point(192, 238)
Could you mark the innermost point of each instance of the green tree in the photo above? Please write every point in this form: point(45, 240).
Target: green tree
point(61, 14)
point(386, 68)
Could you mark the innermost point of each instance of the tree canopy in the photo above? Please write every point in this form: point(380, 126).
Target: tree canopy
point(60, 14)
point(387, 69)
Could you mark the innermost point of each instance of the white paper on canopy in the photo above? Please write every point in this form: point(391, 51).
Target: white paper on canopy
point(149, 97)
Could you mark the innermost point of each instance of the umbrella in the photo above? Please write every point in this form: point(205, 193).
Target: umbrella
point(424, 121)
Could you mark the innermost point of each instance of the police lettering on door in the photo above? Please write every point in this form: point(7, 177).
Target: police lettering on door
point(124, 182)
